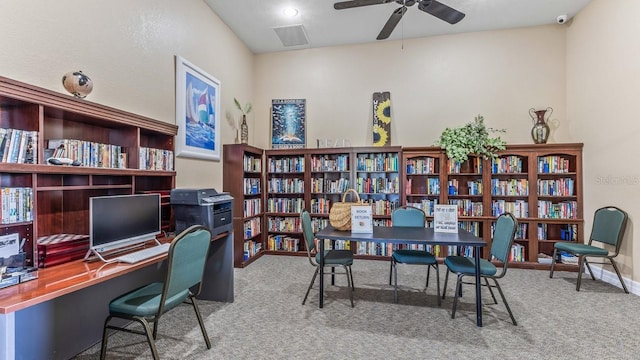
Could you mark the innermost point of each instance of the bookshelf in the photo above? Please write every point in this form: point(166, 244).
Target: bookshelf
point(243, 179)
point(540, 184)
point(58, 200)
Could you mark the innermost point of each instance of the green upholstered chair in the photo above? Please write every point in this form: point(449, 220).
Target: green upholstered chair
point(411, 216)
point(503, 235)
point(332, 258)
point(609, 224)
point(185, 267)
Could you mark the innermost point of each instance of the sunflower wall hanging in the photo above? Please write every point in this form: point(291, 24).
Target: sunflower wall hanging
point(382, 118)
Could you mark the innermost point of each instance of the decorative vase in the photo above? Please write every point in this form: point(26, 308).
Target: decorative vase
point(77, 83)
point(244, 130)
point(540, 131)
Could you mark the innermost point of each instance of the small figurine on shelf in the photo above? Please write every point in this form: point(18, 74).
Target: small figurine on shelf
point(244, 128)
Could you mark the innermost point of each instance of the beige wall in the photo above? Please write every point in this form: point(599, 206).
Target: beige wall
point(603, 88)
point(434, 82)
point(128, 49)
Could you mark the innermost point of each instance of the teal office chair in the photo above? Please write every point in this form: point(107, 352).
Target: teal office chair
point(332, 258)
point(411, 216)
point(185, 267)
point(503, 236)
point(609, 224)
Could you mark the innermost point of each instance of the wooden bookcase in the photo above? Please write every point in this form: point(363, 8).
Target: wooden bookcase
point(546, 199)
point(243, 179)
point(59, 200)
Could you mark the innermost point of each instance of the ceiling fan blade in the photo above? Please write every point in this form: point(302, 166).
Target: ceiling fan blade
point(441, 11)
point(357, 3)
point(394, 19)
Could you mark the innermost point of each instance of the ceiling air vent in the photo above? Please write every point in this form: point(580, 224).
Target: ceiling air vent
point(292, 35)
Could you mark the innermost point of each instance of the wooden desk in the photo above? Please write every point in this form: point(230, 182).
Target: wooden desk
point(62, 313)
point(407, 235)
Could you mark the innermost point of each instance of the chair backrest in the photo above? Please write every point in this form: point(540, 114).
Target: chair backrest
point(408, 216)
point(609, 224)
point(503, 236)
point(309, 237)
point(186, 261)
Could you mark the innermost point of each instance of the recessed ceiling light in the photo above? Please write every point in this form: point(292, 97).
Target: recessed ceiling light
point(290, 12)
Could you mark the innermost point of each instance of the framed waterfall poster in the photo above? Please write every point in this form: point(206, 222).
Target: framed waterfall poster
point(288, 123)
point(197, 112)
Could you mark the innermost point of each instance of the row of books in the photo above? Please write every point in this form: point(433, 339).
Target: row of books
point(252, 164)
point(511, 187)
point(155, 159)
point(507, 165)
point(284, 224)
point(517, 253)
point(432, 187)
point(377, 162)
point(251, 186)
point(284, 205)
point(421, 166)
point(88, 153)
point(17, 204)
point(320, 206)
point(286, 165)
point(322, 163)
point(561, 210)
point(18, 146)
point(252, 207)
point(282, 243)
point(251, 228)
point(377, 185)
point(558, 187)
point(425, 205)
point(277, 185)
point(251, 248)
point(322, 185)
point(553, 164)
point(466, 207)
point(475, 166)
point(518, 208)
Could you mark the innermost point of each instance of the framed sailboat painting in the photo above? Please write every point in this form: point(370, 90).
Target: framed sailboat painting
point(197, 112)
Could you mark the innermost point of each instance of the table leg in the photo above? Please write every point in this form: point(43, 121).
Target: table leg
point(321, 264)
point(476, 255)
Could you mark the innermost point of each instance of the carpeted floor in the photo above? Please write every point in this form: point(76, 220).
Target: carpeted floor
point(267, 320)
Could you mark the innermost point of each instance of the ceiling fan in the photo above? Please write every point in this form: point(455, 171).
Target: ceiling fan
point(433, 7)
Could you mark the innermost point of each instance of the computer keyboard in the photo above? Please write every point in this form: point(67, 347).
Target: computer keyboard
point(143, 254)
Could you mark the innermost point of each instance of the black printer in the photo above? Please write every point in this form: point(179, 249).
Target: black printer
point(205, 207)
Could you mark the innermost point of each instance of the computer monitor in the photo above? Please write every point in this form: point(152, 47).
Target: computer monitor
point(123, 220)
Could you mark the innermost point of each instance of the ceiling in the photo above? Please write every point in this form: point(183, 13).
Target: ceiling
point(253, 21)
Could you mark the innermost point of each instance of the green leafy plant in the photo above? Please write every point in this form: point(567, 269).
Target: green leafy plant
point(472, 138)
point(247, 107)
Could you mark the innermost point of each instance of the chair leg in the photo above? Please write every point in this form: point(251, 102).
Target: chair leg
point(486, 281)
point(455, 296)
point(391, 270)
point(150, 339)
point(105, 337)
point(395, 282)
point(505, 302)
point(347, 270)
point(199, 316)
point(615, 267)
point(553, 262)
point(446, 278)
point(313, 280)
point(437, 283)
point(586, 263)
point(353, 285)
point(580, 271)
point(428, 273)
